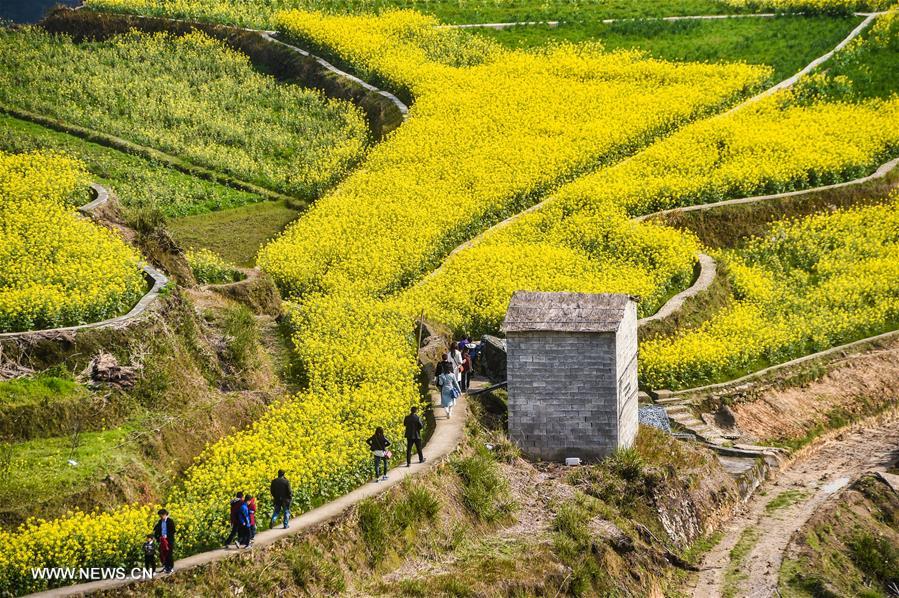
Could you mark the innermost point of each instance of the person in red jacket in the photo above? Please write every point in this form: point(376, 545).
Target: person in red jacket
point(251, 507)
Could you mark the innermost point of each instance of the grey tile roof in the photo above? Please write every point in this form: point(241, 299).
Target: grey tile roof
point(565, 312)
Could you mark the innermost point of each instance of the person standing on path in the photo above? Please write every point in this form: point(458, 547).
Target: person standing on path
point(234, 518)
point(282, 495)
point(149, 549)
point(378, 444)
point(243, 521)
point(449, 392)
point(456, 359)
point(466, 369)
point(164, 532)
point(414, 426)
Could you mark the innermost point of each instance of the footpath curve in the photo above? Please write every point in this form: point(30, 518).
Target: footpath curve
point(155, 279)
point(816, 474)
point(447, 435)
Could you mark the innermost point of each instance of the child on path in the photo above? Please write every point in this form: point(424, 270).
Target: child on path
point(234, 517)
point(149, 549)
point(251, 507)
point(378, 444)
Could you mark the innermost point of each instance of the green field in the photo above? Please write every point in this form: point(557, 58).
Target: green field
point(190, 97)
point(258, 13)
point(236, 234)
point(139, 183)
point(785, 43)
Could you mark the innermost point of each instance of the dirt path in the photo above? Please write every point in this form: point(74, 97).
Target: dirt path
point(817, 473)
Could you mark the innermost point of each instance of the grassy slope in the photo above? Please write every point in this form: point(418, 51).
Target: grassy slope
point(201, 373)
point(138, 182)
point(236, 234)
point(849, 548)
point(785, 43)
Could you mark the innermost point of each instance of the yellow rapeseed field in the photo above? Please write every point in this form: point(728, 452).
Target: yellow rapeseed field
point(57, 269)
point(805, 286)
point(490, 131)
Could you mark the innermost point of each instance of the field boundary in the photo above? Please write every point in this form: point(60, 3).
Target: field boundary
point(882, 171)
point(779, 86)
point(686, 394)
point(156, 280)
point(553, 24)
point(270, 37)
point(708, 270)
point(149, 153)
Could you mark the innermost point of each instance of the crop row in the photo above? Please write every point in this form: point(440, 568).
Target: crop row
point(189, 95)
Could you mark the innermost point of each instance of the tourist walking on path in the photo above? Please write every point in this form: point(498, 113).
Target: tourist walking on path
point(414, 426)
point(149, 550)
point(164, 532)
point(282, 496)
point(251, 507)
point(445, 365)
point(235, 519)
point(378, 444)
point(449, 392)
point(456, 358)
point(466, 369)
point(243, 524)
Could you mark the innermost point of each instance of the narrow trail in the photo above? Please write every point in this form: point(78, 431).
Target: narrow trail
point(551, 24)
point(817, 473)
point(447, 435)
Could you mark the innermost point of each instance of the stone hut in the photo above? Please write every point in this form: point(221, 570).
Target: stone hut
point(572, 373)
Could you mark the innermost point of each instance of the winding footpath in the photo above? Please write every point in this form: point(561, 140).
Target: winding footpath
point(817, 473)
point(448, 433)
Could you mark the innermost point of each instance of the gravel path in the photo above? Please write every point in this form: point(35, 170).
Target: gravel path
point(816, 474)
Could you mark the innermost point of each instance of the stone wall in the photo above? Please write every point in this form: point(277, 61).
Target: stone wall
point(563, 391)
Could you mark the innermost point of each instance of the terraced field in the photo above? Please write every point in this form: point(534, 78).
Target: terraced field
point(514, 170)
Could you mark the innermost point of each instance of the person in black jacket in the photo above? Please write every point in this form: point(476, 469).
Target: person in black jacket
point(378, 444)
point(414, 426)
point(164, 532)
point(282, 496)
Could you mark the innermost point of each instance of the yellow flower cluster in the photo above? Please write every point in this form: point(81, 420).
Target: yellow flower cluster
point(209, 268)
point(189, 95)
point(57, 269)
point(490, 131)
point(596, 250)
point(769, 147)
point(107, 539)
point(805, 286)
